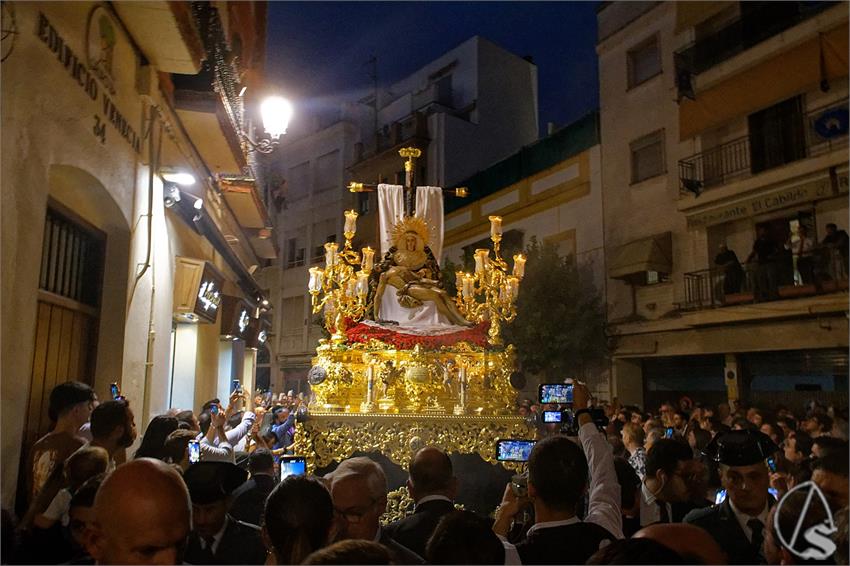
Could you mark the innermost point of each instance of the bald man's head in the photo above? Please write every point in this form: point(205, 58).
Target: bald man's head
point(142, 515)
point(431, 474)
point(692, 543)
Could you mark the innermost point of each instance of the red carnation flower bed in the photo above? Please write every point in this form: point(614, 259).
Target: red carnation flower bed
point(362, 333)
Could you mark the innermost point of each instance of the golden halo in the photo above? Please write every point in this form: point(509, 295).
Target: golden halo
point(410, 224)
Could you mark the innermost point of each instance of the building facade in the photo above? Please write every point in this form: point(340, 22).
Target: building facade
point(473, 92)
point(720, 122)
point(315, 167)
point(113, 271)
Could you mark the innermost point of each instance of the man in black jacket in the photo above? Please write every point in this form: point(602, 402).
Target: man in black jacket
point(249, 499)
point(216, 537)
point(739, 522)
point(558, 474)
point(433, 486)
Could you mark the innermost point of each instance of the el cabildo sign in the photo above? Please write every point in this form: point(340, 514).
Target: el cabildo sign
point(775, 200)
point(96, 69)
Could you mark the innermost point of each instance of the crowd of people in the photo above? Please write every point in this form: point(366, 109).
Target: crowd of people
point(799, 261)
point(688, 484)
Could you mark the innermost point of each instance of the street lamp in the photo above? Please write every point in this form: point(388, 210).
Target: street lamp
point(275, 112)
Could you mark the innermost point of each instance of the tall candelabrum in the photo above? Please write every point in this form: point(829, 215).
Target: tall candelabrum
point(340, 288)
point(490, 292)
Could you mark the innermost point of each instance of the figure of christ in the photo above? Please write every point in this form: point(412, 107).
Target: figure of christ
point(409, 267)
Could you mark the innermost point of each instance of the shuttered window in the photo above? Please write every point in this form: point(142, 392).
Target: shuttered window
point(71, 260)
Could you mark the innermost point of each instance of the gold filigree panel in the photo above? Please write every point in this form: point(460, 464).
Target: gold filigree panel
point(335, 437)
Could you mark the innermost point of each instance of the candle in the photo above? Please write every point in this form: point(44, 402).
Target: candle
point(330, 254)
point(519, 266)
point(459, 280)
point(512, 287)
point(317, 277)
point(362, 284)
point(482, 257)
point(468, 286)
point(350, 222)
point(495, 226)
point(368, 260)
point(351, 288)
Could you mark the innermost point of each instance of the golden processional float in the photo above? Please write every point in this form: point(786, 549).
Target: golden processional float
point(408, 365)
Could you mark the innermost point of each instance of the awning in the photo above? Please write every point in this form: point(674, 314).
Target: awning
point(654, 253)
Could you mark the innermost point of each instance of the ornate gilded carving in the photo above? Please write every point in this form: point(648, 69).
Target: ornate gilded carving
point(329, 437)
point(400, 505)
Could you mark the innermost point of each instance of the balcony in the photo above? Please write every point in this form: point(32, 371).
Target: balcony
point(208, 103)
point(392, 136)
point(823, 130)
point(760, 22)
point(708, 288)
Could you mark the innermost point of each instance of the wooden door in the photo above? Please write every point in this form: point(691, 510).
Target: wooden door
point(66, 319)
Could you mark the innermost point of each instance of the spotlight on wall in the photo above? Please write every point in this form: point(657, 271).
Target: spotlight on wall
point(171, 195)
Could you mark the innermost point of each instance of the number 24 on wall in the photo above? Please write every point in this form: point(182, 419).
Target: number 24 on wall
point(99, 129)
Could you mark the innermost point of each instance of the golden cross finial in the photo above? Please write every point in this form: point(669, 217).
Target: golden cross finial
point(410, 154)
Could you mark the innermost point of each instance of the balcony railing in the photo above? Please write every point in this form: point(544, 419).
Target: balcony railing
point(709, 288)
point(221, 62)
point(824, 129)
point(757, 25)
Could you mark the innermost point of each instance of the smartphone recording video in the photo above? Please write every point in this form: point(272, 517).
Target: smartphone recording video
point(771, 464)
point(235, 386)
point(668, 432)
point(552, 416)
point(115, 390)
point(513, 450)
point(194, 451)
point(557, 393)
point(292, 466)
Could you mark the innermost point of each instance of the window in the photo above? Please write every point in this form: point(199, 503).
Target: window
point(647, 156)
point(298, 183)
point(328, 172)
point(644, 62)
point(363, 206)
point(777, 135)
point(294, 253)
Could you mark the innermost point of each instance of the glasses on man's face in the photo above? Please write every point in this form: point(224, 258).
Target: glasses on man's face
point(354, 515)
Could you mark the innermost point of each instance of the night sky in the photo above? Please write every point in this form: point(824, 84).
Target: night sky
point(318, 51)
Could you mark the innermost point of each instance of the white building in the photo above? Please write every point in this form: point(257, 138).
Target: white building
point(720, 119)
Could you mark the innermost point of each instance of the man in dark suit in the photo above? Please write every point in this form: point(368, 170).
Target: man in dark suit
point(359, 493)
point(559, 473)
point(738, 523)
point(249, 499)
point(216, 537)
point(433, 486)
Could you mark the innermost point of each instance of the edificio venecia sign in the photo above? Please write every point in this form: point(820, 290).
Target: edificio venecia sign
point(80, 73)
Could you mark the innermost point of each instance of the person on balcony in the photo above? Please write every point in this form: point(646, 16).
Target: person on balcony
point(802, 249)
point(837, 242)
point(733, 274)
point(765, 252)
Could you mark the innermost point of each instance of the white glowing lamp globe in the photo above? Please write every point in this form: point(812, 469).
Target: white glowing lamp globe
point(276, 112)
